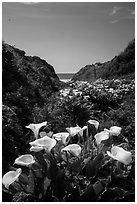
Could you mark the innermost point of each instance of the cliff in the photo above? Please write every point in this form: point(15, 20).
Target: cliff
point(119, 66)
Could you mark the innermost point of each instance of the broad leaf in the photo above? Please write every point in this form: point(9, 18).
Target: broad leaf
point(59, 185)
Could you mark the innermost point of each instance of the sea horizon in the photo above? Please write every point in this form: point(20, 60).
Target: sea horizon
point(65, 76)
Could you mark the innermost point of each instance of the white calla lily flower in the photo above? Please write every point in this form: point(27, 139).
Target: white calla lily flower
point(10, 177)
point(121, 155)
point(104, 135)
point(115, 130)
point(43, 133)
point(82, 129)
point(75, 149)
point(94, 122)
point(61, 136)
point(46, 142)
point(25, 160)
point(36, 149)
point(74, 130)
point(35, 127)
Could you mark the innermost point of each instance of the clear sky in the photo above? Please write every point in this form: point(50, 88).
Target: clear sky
point(69, 35)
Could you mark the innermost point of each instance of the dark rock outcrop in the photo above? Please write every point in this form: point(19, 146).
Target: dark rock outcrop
point(27, 82)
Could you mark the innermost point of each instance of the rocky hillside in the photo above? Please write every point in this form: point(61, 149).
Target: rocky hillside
point(89, 73)
point(121, 65)
point(27, 83)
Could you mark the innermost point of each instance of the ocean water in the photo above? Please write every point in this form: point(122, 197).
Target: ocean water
point(65, 76)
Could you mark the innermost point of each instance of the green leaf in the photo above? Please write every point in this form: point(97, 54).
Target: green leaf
point(46, 184)
point(59, 185)
point(31, 184)
point(113, 194)
point(76, 166)
point(41, 160)
point(23, 178)
point(98, 187)
point(89, 195)
point(37, 170)
point(92, 166)
point(53, 168)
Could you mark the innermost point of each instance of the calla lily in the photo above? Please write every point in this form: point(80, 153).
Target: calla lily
point(10, 177)
point(49, 134)
point(73, 148)
point(46, 142)
point(73, 130)
point(25, 160)
point(104, 135)
point(35, 127)
point(121, 155)
point(115, 130)
point(42, 134)
point(82, 129)
point(94, 122)
point(36, 149)
point(61, 136)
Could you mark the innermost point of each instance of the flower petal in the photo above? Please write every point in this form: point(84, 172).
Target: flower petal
point(35, 127)
point(46, 142)
point(123, 156)
point(115, 130)
point(61, 136)
point(25, 160)
point(104, 135)
point(36, 149)
point(73, 130)
point(10, 177)
point(74, 148)
point(94, 122)
point(81, 131)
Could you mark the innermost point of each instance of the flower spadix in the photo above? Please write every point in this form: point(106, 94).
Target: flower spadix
point(94, 122)
point(75, 149)
point(104, 135)
point(25, 160)
point(46, 142)
point(10, 177)
point(61, 136)
point(121, 155)
point(35, 127)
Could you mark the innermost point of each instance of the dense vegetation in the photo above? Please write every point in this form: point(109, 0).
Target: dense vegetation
point(111, 102)
point(27, 82)
point(123, 64)
point(56, 169)
point(32, 93)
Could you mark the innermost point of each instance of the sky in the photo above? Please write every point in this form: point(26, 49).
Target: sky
point(69, 35)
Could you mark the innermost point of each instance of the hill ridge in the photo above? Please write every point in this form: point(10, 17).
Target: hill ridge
point(123, 64)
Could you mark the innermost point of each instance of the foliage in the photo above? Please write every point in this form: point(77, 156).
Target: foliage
point(26, 83)
point(91, 176)
point(12, 140)
point(109, 101)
